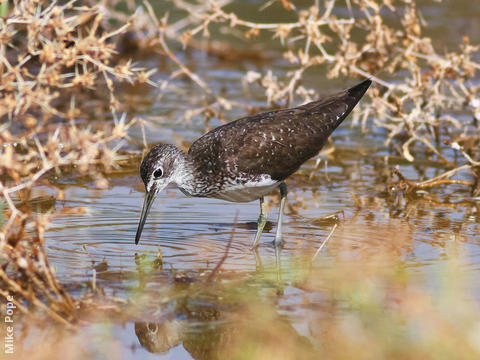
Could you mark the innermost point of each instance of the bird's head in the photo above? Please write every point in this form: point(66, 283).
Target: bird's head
point(159, 168)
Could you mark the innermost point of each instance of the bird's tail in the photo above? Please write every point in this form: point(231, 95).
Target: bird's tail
point(332, 110)
point(347, 100)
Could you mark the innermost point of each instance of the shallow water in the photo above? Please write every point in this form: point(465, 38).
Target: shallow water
point(421, 235)
point(193, 232)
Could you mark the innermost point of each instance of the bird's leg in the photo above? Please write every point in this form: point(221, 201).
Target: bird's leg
point(262, 220)
point(283, 197)
point(278, 263)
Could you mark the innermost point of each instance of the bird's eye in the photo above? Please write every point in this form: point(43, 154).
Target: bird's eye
point(158, 173)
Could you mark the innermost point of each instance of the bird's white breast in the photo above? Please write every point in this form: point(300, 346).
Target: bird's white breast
point(249, 191)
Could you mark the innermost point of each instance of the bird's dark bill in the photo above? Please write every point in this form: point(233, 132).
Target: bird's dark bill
point(147, 204)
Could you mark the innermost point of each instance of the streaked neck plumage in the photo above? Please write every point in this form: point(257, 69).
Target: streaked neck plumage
point(185, 174)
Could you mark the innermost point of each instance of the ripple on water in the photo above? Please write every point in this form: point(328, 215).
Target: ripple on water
point(193, 233)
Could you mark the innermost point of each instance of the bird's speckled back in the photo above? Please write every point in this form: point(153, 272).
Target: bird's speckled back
point(276, 142)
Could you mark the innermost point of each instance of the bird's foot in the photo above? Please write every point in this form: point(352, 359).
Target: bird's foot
point(262, 220)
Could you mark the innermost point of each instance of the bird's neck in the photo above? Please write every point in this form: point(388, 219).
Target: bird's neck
point(186, 176)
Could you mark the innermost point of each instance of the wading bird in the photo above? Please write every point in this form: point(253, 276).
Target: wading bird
point(246, 159)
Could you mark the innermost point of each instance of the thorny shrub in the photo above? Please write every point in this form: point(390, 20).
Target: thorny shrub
point(52, 57)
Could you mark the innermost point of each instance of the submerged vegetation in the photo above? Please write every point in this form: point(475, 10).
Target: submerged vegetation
point(63, 69)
